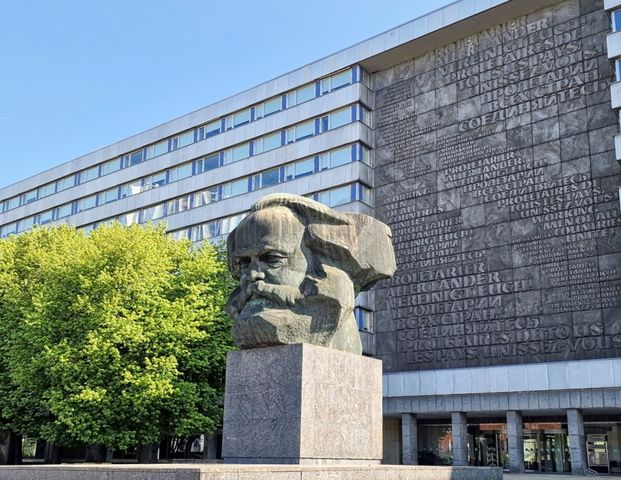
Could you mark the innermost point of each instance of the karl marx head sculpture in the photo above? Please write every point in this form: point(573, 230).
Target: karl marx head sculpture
point(300, 265)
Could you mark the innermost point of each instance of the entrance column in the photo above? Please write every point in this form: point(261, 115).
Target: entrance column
point(459, 426)
point(577, 447)
point(515, 433)
point(409, 439)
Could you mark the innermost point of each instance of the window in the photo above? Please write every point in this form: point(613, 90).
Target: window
point(237, 119)
point(86, 203)
point(46, 217)
point(11, 203)
point(8, 229)
point(237, 153)
point(267, 143)
point(238, 187)
point(365, 116)
point(178, 205)
point(65, 183)
point(228, 224)
point(155, 180)
point(133, 158)
point(207, 163)
point(303, 130)
point(365, 155)
point(340, 196)
point(157, 149)
point(206, 197)
point(180, 172)
point(89, 174)
point(64, 210)
point(618, 70)
point(270, 178)
point(108, 196)
point(336, 81)
point(152, 213)
point(340, 118)
point(616, 20)
point(179, 234)
point(365, 194)
point(267, 108)
point(182, 140)
point(110, 166)
point(300, 168)
point(128, 218)
point(209, 130)
point(130, 189)
point(301, 95)
point(47, 190)
point(25, 224)
point(335, 158)
point(364, 318)
point(29, 197)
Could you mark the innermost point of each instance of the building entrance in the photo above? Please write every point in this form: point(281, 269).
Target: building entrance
point(546, 448)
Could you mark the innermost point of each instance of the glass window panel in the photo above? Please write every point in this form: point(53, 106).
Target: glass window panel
point(12, 203)
point(240, 118)
point(304, 167)
point(180, 234)
point(46, 217)
point(340, 196)
point(128, 219)
point(365, 116)
point(616, 20)
point(366, 155)
point(30, 196)
point(270, 142)
point(89, 174)
point(186, 138)
point(135, 158)
point(207, 163)
point(8, 229)
point(239, 187)
point(240, 152)
point(325, 85)
point(160, 148)
point(88, 228)
point(272, 106)
point(366, 195)
point(209, 130)
point(289, 171)
point(340, 79)
point(257, 146)
point(65, 183)
point(180, 172)
point(156, 180)
point(152, 213)
point(340, 157)
point(304, 130)
point(25, 224)
point(305, 94)
point(64, 210)
point(87, 203)
point(110, 166)
point(109, 196)
point(291, 99)
point(47, 190)
point(178, 205)
point(270, 178)
point(340, 118)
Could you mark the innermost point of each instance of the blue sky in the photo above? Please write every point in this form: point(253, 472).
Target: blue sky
point(77, 75)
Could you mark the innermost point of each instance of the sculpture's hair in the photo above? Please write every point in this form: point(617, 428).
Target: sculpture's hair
point(356, 243)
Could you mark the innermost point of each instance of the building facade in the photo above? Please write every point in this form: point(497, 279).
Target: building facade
point(486, 135)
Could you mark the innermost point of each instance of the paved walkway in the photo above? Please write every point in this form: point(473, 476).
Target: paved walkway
point(551, 476)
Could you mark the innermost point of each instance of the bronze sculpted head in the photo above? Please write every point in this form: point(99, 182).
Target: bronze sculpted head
point(300, 265)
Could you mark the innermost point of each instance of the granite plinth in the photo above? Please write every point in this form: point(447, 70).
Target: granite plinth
point(246, 472)
point(302, 404)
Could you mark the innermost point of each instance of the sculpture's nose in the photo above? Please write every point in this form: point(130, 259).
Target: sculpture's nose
point(256, 275)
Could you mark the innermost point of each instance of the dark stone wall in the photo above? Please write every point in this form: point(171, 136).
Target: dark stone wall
point(495, 170)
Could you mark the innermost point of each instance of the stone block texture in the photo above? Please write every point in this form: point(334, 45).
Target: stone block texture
point(496, 173)
point(302, 404)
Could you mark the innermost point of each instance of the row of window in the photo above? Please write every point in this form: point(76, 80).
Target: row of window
point(195, 167)
point(615, 18)
point(273, 105)
point(215, 230)
point(274, 176)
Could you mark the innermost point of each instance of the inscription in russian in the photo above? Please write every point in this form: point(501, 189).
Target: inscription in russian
point(508, 245)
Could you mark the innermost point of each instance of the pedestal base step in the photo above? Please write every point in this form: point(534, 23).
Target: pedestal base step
point(246, 472)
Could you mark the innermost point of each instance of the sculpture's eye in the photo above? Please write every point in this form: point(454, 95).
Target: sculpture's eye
point(273, 260)
point(242, 262)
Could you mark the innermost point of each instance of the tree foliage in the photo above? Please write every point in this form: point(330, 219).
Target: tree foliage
point(115, 338)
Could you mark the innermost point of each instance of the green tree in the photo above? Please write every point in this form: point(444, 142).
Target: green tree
point(115, 338)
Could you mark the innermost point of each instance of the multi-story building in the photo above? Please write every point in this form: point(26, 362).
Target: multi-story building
point(484, 134)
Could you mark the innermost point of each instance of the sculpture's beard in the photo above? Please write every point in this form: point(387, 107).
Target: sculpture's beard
point(267, 314)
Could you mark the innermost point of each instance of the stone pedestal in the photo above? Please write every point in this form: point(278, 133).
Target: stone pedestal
point(302, 404)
